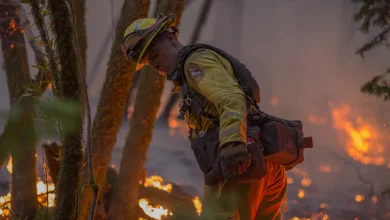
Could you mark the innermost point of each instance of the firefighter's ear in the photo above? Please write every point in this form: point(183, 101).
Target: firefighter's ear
point(170, 37)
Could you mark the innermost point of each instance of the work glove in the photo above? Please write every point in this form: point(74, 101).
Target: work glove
point(255, 117)
point(235, 158)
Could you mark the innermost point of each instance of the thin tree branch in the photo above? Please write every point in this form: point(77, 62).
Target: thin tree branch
point(38, 17)
point(43, 77)
point(92, 182)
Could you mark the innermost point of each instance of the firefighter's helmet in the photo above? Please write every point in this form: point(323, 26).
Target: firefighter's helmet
point(140, 34)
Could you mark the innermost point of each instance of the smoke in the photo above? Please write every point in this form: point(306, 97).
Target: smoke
point(301, 52)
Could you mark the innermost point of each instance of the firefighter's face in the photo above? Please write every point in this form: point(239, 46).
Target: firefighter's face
point(163, 53)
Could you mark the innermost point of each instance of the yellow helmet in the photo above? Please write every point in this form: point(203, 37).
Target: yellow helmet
point(139, 35)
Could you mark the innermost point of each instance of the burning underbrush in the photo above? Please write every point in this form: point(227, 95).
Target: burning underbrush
point(157, 200)
point(344, 180)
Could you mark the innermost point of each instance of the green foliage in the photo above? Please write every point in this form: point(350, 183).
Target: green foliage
point(58, 116)
point(374, 15)
point(44, 213)
point(378, 87)
point(52, 118)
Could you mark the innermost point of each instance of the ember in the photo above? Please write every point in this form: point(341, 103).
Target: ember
point(301, 193)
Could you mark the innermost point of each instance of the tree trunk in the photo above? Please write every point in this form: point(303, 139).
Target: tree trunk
point(18, 135)
point(79, 17)
point(42, 77)
point(119, 76)
point(174, 97)
point(52, 153)
point(68, 184)
point(125, 196)
point(81, 30)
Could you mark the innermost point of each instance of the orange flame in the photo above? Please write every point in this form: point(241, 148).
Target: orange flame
point(154, 212)
point(46, 196)
point(157, 182)
point(9, 165)
point(363, 144)
point(197, 204)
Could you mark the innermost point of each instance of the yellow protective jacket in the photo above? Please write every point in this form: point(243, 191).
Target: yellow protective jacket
point(211, 75)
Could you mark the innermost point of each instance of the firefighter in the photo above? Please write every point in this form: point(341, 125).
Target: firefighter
point(216, 109)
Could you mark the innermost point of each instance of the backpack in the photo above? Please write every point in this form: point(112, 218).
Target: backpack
point(283, 140)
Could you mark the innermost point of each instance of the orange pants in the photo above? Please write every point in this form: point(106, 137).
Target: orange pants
point(260, 200)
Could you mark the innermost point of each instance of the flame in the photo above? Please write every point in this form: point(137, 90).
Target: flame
point(290, 180)
point(46, 190)
point(325, 168)
point(154, 212)
point(197, 204)
point(9, 165)
point(45, 198)
point(5, 205)
point(363, 144)
point(157, 182)
point(359, 198)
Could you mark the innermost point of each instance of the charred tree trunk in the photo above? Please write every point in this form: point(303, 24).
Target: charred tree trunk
point(81, 33)
point(112, 102)
point(68, 184)
point(42, 77)
point(19, 136)
point(125, 196)
point(52, 153)
point(174, 98)
point(81, 30)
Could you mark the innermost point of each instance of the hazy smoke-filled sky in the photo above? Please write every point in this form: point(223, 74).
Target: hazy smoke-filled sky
point(302, 53)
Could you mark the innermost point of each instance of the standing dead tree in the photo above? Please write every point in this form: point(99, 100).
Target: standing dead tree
point(107, 121)
point(174, 98)
point(125, 195)
point(18, 136)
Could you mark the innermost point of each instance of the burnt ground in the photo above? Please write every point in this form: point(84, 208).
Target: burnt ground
point(330, 184)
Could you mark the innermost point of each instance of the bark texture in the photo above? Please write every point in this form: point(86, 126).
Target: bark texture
point(107, 121)
point(18, 136)
point(125, 197)
point(69, 178)
point(81, 30)
point(52, 153)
